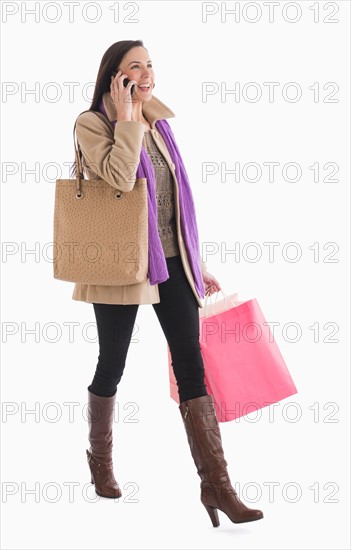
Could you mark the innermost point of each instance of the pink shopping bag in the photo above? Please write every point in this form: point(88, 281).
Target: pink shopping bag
point(244, 368)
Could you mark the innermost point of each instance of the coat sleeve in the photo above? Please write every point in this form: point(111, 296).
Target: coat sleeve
point(203, 265)
point(113, 157)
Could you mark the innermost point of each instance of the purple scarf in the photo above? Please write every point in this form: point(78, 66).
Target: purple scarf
point(157, 268)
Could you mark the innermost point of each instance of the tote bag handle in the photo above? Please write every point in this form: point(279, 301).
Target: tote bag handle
point(79, 169)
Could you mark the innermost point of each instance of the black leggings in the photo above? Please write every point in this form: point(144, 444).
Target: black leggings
point(178, 314)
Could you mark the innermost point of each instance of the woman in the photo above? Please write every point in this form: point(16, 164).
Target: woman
point(112, 151)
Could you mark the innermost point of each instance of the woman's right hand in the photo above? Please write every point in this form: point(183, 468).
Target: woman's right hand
point(121, 96)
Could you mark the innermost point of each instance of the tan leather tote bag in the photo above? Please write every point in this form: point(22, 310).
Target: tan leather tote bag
point(100, 233)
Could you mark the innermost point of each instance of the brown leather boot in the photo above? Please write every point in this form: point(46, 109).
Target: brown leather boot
point(204, 437)
point(100, 416)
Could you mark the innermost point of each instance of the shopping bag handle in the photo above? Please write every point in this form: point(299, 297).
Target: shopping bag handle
point(226, 299)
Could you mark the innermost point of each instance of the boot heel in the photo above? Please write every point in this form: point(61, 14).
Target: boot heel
point(92, 479)
point(213, 513)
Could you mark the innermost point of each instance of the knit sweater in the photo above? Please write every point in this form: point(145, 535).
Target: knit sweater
point(167, 228)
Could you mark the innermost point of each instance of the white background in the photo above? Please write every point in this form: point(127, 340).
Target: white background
point(152, 460)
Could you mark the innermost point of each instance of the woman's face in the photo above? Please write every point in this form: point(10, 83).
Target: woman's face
point(137, 66)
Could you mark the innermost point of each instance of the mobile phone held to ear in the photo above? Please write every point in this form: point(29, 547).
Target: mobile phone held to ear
point(125, 82)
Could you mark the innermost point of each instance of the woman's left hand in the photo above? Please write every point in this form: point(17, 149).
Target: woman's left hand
point(211, 283)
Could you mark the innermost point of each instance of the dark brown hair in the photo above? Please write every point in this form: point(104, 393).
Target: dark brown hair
point(110, 62)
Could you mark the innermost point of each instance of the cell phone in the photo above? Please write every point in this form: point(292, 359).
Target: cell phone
point(125, 82)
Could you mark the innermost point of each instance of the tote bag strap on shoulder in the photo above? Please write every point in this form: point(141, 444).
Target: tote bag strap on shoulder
point(79, 169)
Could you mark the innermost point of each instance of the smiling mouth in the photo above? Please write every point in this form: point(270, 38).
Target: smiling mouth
point(144, 87)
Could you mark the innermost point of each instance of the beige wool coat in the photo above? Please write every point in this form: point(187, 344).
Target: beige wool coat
point(109, 155)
